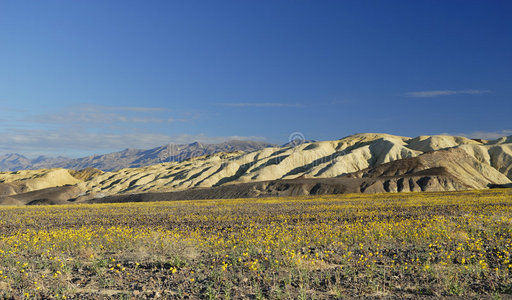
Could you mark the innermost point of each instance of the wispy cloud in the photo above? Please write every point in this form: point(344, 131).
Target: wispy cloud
point(261, 104)
point(202, 138)
point(79, 142)
point(439, 93)
point(486, 135)
point(139, 109)
point(78, 130)
point(94, 114)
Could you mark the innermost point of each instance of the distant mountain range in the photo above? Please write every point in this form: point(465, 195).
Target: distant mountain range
point(128, 158)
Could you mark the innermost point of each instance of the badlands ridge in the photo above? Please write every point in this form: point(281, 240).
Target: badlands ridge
point(368, 163)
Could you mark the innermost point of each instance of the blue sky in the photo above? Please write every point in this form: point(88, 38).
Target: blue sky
point(83, 77)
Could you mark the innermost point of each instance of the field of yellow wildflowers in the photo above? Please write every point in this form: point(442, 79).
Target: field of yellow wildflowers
point(327, 247)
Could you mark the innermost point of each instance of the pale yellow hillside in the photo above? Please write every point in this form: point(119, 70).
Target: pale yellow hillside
point(492, 165)
point(311, 160)
point(437, 142)
point(29, 180)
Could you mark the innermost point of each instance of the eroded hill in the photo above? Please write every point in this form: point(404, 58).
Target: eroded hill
point(360, 163)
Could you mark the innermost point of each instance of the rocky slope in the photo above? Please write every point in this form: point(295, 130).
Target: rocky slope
point(360, 163)
point(326, 159)
point(443, 170)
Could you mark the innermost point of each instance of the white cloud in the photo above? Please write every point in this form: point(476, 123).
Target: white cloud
point(438, 93)
point(189, 138)
point(486, 135)
point(82, 130)
point(92, 129)
point(77, 143)
point(134, 108)
point(94, 114)
point(261, 104)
